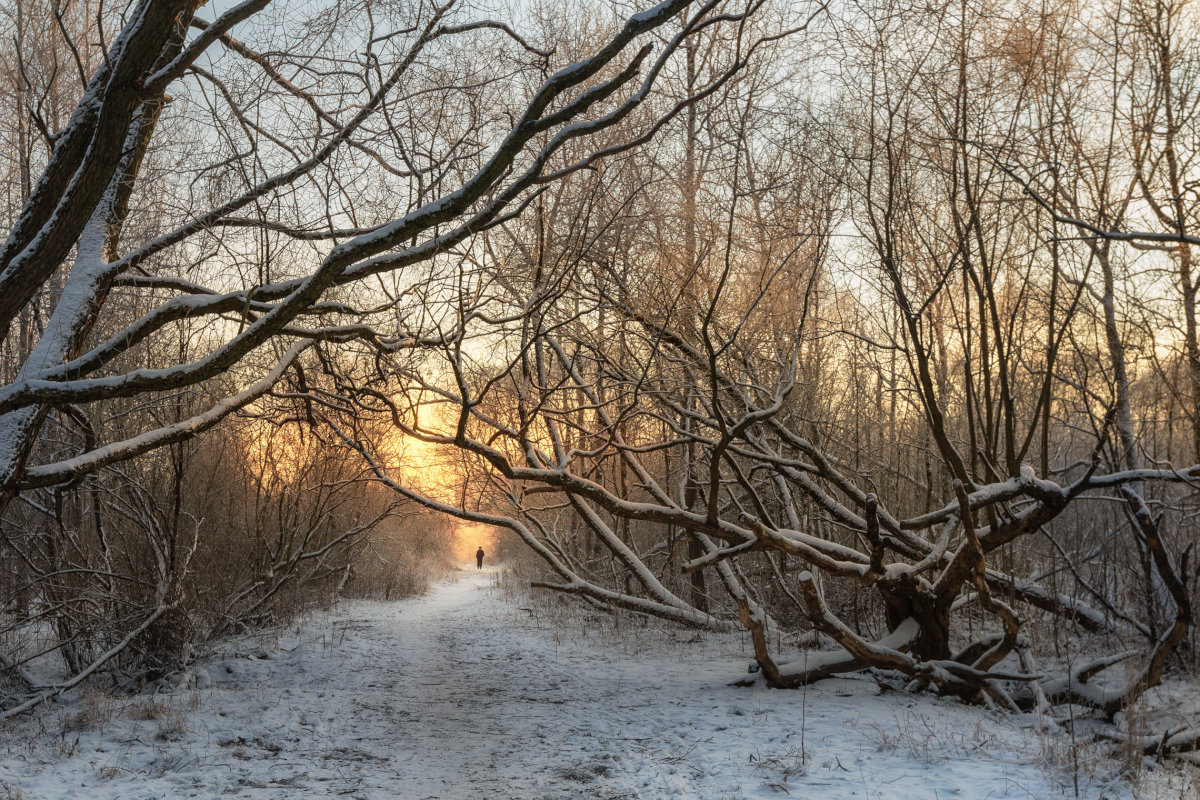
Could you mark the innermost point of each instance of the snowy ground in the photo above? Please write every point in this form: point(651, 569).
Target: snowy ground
point(461, 694)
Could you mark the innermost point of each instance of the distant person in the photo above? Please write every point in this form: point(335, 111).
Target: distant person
point(479, 558)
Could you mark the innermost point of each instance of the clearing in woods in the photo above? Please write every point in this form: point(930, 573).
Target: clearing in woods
point(461, 694)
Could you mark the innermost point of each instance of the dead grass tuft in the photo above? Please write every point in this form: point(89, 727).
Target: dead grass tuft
point(92, 711)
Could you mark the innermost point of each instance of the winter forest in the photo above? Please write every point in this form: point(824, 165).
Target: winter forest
point(852, 341)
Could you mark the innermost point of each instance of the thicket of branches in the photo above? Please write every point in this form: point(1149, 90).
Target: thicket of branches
point(888, 346)
point(204, 206)
point(871, 330)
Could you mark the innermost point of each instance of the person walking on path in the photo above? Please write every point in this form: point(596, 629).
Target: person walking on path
point(479, 558)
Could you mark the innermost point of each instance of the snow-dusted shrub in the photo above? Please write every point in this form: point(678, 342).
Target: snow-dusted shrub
point(400, 556)
point(247, 526)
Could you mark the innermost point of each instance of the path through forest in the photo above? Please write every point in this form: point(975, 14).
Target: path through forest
point(462, 694)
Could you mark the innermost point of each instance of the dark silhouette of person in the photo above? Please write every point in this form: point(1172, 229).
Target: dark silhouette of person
point(479, 558)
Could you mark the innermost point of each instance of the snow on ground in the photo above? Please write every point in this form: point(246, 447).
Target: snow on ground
point(462, 694)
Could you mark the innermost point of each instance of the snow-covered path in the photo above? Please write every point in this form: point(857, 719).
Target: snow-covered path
point(459, 695)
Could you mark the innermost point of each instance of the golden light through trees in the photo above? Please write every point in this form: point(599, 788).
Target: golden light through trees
point(873, 322)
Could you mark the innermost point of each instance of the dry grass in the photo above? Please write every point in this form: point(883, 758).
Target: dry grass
point(918, 737)
point(92, 711)
point(169, 713)
point(779, 768)
point(1087, 760)
point(172, 723)
point(110, 772)
point(149, 707)
point(1128, 752)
